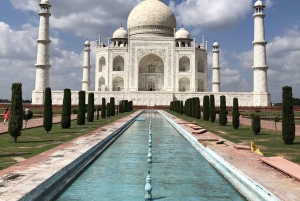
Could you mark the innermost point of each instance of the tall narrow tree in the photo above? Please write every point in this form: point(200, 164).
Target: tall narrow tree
point(256, 124)
point(81, 108)
point(108, 110)
point(181, 107)
point(288, 119)
point(112, 106)
point(48, 113)
point(235, 114)
point(91, 108)
point(206, 108)
point(212, 109)
point(98, 112)
point(126, 109)
point(66, 111)
point(103, 109)
point(16, 112)
point(223, 111)
point(198, 112)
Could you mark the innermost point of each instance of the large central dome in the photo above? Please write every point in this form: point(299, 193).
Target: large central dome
point(151, 17)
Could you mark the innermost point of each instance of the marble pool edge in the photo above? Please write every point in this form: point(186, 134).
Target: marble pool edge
point(250, 189)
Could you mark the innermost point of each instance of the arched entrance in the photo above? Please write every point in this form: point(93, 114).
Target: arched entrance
point(102, 64)
point(184, 64)
point(151, 73)
point(101, 85)
point(118, 84)
point(184, 84)
point(200, 85)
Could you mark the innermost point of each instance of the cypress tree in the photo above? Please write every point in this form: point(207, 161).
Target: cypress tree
point(181, 107)
point(206, 108)
point(126, 106)
point(194, 108)
point(48, 114)
point(288, 120)
point(112, 106)
point(81, 108)
point(98, 113)
point(15, 122)
point(212, 109)
point(66, 111)
point(103, 109)
point(235, 114)
point(91, 108)
point(190, 107)
point(171, 102)
point(108, 110)
point(198, 112)
point(131, 106)
point(256, 124)
point(121, 107)
point(223, 112)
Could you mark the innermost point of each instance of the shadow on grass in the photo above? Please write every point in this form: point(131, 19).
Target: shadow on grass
point(15, 154)
point(39, 141)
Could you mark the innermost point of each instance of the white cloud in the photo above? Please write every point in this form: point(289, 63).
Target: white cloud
point(269, 3)
point(214, 15)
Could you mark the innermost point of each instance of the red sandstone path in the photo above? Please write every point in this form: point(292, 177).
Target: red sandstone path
point(33, 123)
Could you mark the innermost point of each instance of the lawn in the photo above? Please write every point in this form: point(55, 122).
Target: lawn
point(35, 141)
point(269, 141)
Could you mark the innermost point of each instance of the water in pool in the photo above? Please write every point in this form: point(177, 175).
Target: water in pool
point(178, 171)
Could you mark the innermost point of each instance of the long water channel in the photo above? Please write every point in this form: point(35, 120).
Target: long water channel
point(178, 171)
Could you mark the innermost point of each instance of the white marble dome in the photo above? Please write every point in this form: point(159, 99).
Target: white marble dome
point(151, 17)
point(45, 2)
point(182, 34)
point(216, 44)
point(259, 3)
point(120, 33)
point(87, 42)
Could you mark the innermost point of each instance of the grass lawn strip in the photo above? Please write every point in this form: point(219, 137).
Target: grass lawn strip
point(36, 140)
point(269, 141)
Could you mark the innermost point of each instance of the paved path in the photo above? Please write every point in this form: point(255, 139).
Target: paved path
point(32, 123)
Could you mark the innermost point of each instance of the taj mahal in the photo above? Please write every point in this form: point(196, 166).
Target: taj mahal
point(152, 62)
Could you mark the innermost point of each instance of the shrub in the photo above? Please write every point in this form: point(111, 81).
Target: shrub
point(206, 108)
point(288, 120)
point(74, 111)
point(81, 108)
point(90, 108)
point(212, 109)
point(112, 106)
point(235, 114)
point(66, 111)
point(103, 109)
point(256, 124)
point(223, 112)
point(48, 113)
point(15, 122)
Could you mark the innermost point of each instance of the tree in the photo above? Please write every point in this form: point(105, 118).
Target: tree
point(66, 111)
point(103, 109)
point(288, 120)
point(256, 124)
point(212, 109)
point(108, 110)
point(112, 106)
point(206, 108)
point(16, 112)
point(98, 113)
point(121, 107)
point(223, 111)
point(81, 108)
point(181, 107)
point(48, 113)
point(235, 114)
point(91, 108)
point(126, 108)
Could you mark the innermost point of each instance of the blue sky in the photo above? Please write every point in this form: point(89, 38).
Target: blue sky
point(229, 22)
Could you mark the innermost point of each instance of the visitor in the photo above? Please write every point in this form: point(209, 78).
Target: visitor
point(26, 113)
point(6, 115)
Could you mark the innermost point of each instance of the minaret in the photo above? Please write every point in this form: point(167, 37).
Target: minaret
point(260, 80)
point(86, 81)
point(216, 68)
point(43, 61)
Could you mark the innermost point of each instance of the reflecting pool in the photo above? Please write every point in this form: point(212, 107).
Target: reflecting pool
point(178, 171)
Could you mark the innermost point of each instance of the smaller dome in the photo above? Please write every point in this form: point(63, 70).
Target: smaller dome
point(87, 42)
point(216, 44)
point(45, 2)
point(182, 34)
point(120, 33)
point(259, 3)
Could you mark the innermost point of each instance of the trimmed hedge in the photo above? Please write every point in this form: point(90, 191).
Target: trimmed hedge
point(206, 108)
point(103, 109)
point(81, 108)
point(48, 113)
point(256, 124)
point(235, 114)
point(90, 108)
point(15, 122)
point(66, 111)
point(212, 109)
point(288, 120)
point(223, 112)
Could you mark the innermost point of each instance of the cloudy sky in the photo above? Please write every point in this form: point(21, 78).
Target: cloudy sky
point(72, 21)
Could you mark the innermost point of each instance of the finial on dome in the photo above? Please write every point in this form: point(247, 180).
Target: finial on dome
point(182, 25)
point(121, 24)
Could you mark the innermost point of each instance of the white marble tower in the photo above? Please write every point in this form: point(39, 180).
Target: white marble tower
point(86, 81)
point(43, 61)
point(260, 80)
point(216, 68)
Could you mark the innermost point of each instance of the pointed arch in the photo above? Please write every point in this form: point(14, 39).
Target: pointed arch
point(102, 63)
point(118, 84)
point(118, 63)
point(200, 85)
point(184, 64)
point(201, 68)
point(101, 84)
point(184, 84)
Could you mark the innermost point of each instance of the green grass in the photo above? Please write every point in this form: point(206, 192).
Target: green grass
point(35, 141)
point(269, 142)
